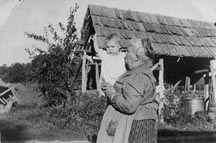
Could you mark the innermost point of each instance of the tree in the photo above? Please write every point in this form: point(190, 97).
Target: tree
point(16, 73)
point(51, 68)
point(3, 70)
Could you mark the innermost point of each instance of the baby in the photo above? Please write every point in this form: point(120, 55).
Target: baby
point(113, 63)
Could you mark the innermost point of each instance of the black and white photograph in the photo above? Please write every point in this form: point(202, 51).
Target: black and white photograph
point(107, 71)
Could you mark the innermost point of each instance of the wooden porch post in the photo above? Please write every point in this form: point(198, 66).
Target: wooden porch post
point(84, 73)
point(161, 84)
point(187, 83)
point(213, 73)
point(161, 74)
point(206, 90)
point(212, 97)
point(97, 77)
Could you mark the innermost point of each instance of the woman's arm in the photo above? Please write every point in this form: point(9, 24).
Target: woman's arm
point(133, 91)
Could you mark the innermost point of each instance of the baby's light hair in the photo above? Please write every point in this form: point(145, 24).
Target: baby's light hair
point(113, 36)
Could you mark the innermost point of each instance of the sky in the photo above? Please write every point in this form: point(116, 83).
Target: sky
point(33, 15)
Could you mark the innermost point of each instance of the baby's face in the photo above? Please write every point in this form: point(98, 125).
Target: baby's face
point(112, 47)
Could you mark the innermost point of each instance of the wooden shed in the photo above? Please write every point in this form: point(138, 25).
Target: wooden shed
point(182, 46)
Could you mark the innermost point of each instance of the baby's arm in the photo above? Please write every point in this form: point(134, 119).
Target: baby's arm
point(96, 48)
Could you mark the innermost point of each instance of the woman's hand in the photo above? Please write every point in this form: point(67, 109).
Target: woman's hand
point(108, 89)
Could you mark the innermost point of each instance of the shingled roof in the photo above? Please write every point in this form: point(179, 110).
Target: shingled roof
point(169, 35)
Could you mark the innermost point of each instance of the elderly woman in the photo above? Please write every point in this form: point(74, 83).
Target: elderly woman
point(131, 117)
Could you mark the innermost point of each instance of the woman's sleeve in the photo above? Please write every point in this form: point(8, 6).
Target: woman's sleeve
point(132, 93)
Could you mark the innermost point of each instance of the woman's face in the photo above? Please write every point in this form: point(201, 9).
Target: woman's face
point(133, 54)
point(131, 59)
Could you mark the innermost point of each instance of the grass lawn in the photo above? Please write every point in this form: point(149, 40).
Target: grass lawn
point(30, 121)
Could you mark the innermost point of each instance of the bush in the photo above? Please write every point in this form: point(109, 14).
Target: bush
point(86, 110)
point(52, 69)
point(174, 112)
point(173, 106)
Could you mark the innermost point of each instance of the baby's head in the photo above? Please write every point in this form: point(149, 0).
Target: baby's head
point(112, 44)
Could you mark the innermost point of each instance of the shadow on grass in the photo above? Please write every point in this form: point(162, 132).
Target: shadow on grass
point(18, 132)
point(176, 136)
point(11, 131)
point(170, 136)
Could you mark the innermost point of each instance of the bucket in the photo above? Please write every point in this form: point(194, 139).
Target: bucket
point(212, 111)
point(194, 104)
